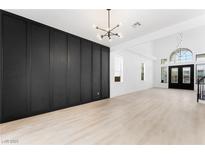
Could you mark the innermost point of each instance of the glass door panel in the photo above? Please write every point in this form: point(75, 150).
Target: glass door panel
point(181, 77)
point(174, 75)
point(200, 71)
point(186, 75)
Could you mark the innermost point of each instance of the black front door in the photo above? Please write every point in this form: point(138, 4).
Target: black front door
point(181, 77)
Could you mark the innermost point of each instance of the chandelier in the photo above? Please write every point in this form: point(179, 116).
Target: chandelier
point(108, 33)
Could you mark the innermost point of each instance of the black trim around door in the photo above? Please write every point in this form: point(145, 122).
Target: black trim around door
point(180, 84)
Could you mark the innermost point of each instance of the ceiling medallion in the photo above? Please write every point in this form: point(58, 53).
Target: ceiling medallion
point(108, 33)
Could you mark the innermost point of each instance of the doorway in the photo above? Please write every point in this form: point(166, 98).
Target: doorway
point(181, 77)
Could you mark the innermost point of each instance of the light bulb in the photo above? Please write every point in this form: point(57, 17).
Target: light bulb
point(120, 24)
point(99, 37)
point(120, 35)
point(110, 40)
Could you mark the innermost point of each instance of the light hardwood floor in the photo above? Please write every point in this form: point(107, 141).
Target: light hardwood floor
point(154, 116)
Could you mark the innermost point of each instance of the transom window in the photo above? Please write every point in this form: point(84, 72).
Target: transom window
point(181, 55)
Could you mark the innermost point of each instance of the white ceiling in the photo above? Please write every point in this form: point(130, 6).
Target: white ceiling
point(79, 22)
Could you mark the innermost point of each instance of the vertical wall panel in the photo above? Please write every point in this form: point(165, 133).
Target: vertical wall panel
point(14, 68)
point(86, 71)
point(96, 60)
point(74, 70)
point(1, 61)
point(59, 68)
point(40, 68)
point(105, 72)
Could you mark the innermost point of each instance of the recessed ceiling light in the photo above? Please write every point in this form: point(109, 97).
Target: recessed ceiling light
point(136, 24)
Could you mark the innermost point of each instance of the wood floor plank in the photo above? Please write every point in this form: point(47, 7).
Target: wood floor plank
point(154, 116)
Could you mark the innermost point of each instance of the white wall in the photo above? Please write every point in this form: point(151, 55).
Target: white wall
point(150, 49)
point(193, 39)
point(131, 71)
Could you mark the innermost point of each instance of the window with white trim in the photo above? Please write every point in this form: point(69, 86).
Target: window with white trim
point(200, 71)
point(118, 73)
point(164, 74)
point(163, 61)
point(142, 71)
point(200, 57)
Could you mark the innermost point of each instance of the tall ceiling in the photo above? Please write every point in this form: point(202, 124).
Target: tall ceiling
point(79, 22)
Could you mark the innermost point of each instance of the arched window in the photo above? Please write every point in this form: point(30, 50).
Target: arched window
point(181, 55)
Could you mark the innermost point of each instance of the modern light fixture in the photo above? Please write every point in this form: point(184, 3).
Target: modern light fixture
point(109, 31)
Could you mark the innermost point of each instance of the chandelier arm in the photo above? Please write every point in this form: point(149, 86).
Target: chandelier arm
point(115, 27)
point(113, 33)
point(116, 34)
point(102, 29)
point(106, 34)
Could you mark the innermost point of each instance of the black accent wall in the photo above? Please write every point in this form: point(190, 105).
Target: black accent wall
point(86, 71)
point(1, 64)
point(43, 69)
point(14, 68)
point(105, 73)
point(40, 68)
point(59, 69)
point(74, 70)
point(96, 66)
